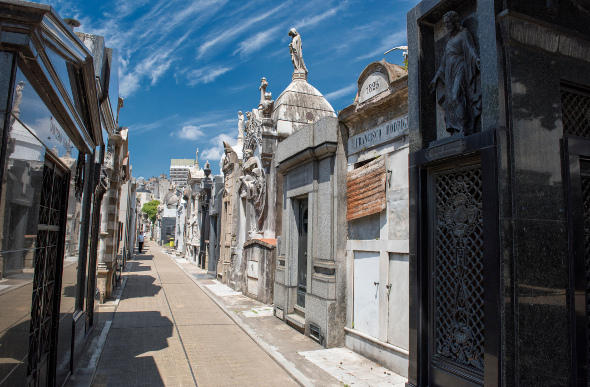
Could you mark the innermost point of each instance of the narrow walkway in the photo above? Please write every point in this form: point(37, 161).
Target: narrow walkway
point(167, 331)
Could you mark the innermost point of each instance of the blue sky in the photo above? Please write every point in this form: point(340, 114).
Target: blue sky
point(187, 66)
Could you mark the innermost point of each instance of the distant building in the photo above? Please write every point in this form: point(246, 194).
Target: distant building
point(179, 169)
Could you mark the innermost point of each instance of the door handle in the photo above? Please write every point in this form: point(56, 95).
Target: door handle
point(376, 283)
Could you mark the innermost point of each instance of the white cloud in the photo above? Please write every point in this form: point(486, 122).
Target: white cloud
point(396, 39)
point(164, 122)
point(206, 74)
point(189, 132)
point(312, 21)
point(148, 38)
point(345, 91)
point(256, 42)
point(217, 150)
point(233, 33)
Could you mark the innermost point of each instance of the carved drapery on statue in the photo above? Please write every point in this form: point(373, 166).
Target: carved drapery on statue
point(253, 182)
point(295, 48)
point(456, 81)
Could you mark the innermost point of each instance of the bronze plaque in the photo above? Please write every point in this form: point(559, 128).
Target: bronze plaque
point(366, 189)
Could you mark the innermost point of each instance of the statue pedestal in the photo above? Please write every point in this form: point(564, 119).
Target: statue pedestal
point(299, 75)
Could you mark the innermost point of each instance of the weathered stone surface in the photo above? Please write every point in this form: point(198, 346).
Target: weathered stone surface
point(298, 105)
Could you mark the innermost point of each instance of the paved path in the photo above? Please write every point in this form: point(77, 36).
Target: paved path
point(167, 331)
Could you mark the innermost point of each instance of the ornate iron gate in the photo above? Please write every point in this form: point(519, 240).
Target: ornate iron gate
point(457, 327)
point(47, 277)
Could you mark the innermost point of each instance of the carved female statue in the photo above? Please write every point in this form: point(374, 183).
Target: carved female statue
point(460, 97)
point(295, 50)
point(240, 124)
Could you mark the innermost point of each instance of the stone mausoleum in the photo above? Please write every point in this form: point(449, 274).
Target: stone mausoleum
point(499, 123)
point(376, 129)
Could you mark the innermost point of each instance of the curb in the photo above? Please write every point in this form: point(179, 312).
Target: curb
point(293, 372)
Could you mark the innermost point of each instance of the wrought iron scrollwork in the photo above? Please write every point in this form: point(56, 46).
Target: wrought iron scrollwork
point(459, 268)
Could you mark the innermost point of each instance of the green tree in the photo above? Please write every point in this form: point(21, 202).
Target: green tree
point(151, 208)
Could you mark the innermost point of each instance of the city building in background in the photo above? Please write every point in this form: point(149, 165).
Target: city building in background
point(179, 171)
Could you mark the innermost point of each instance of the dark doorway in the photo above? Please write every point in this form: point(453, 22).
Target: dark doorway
point(302, 253)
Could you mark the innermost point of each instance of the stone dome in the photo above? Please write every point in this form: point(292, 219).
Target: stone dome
point(298, 105)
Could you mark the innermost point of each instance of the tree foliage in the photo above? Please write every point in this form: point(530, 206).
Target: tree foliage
point(151, 208)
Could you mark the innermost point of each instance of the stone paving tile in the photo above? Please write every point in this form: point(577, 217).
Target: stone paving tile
point(353, 369)
point(167, 332)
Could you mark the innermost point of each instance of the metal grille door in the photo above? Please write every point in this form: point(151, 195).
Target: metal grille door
point(47, 277)
point(458, 307)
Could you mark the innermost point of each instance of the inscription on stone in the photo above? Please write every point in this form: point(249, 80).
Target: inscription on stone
point(373, 85)
point(386, 131)
point(451, 148)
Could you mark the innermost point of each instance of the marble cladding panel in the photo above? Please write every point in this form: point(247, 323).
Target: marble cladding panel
point(322, 236)
point(395, 361)
point(316, 312)
point(562, 13)
point(536, 124)
point(365, 228)
point(397, 330)
point(280, 296)
point(280, 275)
point(322, 288)
point(398, 195)
point(542, 313)
point(300, 177)
point(325, 130)
point(336, 322)
point(294, 144)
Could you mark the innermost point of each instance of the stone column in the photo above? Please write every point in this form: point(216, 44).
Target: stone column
point(107, 254)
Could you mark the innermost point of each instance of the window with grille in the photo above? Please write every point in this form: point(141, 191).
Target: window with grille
point(575, 109)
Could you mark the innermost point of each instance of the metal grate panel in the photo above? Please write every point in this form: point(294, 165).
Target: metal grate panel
point(459, 329)
point(47, 272)
point(575, 109)
point(586, 205)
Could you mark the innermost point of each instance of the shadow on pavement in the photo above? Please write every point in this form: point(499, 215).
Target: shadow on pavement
point(125, 359)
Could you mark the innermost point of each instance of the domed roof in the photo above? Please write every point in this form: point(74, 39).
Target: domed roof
point(298, 105)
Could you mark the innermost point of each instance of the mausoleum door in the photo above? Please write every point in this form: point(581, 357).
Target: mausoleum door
point(366, 292)
point(48, 266)
point(302, 223)
point(456, 328)
point(579, 252)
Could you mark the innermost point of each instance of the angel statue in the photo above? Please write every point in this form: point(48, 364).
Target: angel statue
point(456, 79)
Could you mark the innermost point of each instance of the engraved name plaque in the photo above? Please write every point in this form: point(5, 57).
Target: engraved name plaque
point(444, 150)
